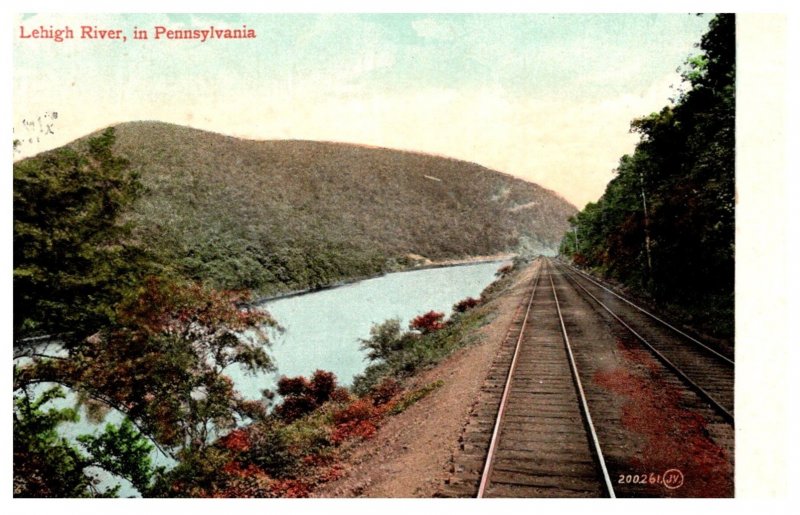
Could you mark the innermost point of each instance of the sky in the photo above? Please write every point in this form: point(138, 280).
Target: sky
point(548, 98)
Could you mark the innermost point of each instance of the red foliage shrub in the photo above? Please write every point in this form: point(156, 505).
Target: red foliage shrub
point(302, 396)
point(357, 429)
point(466, 304)
point(236, 441)
point(322, 385)
point(234, 468)
point(358, 420)
point(340, 394)
point(292, 385)
point(428, 323)
point(385, 391)
point(333, 473)
point(290, 488)
point(295, 406)
point(361, 409)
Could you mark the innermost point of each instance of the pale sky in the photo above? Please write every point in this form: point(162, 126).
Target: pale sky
point(547, 98)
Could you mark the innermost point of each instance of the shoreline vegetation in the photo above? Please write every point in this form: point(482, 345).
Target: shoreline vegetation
point(427, 265)
point(306, 441)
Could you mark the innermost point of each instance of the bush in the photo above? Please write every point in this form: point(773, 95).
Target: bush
point(504, 271)
point(465, 304)
point(364, 382)
point(385, 391)
point(355, 421)
point(295, 406)
point(384, 340)
point(359, 410)
point(270, 449)
point(302, 396)
point(428, 323)
point(340, 394)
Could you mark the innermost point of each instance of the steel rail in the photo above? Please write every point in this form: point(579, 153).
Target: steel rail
point(654, 317)
point(703, 393)
point(488, 465)
point(584, 404)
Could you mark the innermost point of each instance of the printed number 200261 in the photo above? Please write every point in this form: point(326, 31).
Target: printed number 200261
point(671, 479)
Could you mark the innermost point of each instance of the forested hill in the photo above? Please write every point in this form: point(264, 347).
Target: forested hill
point(665, 224)
point(278, 215)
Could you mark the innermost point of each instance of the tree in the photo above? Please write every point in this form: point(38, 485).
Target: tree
point(670, 210)
point(385, 339)
point(73, 261)
point(48, 465)
point(139, 338)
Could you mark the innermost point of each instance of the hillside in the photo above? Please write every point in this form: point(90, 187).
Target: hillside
point(665, 226)
point(278, 215)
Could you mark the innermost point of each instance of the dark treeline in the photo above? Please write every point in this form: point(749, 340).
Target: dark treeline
point(665, 224)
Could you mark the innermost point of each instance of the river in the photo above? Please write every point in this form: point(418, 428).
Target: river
point(322, 330)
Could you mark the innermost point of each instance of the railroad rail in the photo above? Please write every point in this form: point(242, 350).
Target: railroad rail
point(545, 425)
point(708, 372)
point(543, 442)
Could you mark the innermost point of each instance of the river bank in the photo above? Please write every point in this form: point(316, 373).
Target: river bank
point(425, 265)
point(411, 453)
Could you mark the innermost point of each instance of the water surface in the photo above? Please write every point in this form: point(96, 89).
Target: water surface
point(322, 330)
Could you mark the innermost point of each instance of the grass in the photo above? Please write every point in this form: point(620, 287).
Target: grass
point(410, 398)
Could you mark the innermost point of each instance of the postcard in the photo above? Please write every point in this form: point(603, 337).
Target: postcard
point(386, 255)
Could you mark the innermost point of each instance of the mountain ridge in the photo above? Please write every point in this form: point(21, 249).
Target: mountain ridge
point(277, 215)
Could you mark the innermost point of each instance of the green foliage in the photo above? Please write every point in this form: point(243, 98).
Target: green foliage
point(414, 396)
point(665, 225)
point(385, 340)
point(372, 376)
point(122, 451)
point(279, 449)
point(398, 354)
point(271, 447)
point(73, 260)
point(139, 337)
point(289, 215)
point(48, 465)
point(197, 472)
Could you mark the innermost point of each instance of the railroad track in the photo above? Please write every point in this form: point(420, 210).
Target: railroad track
point(546, 426)
point(543, 442)
point(709, 372)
